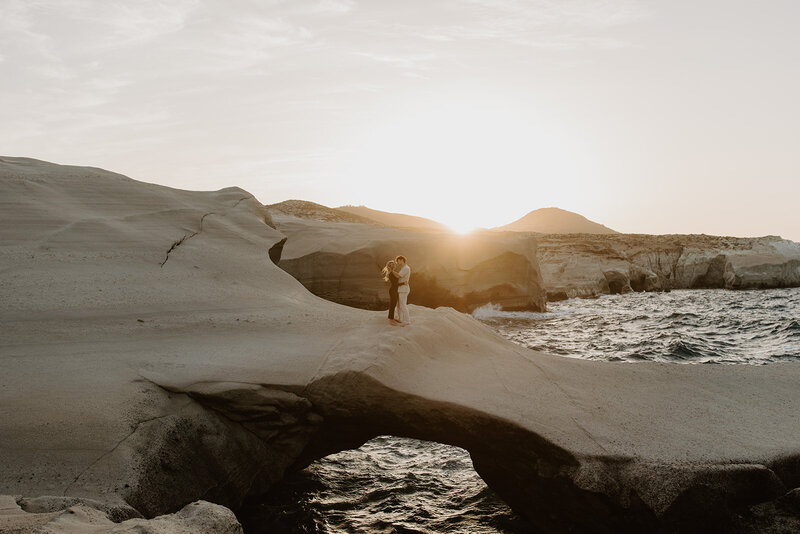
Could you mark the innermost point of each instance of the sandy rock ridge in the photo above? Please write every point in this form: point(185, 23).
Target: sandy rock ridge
point(153, 355)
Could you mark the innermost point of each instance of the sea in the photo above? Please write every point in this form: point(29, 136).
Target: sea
point(399, 485)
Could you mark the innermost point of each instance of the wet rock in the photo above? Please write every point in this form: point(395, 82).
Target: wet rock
point(617, 282)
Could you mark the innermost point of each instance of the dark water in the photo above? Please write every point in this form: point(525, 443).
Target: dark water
point(407, 486)
point(388, 485)
point(688, 326)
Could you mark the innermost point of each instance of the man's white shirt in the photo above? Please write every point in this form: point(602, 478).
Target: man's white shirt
point(405, 274)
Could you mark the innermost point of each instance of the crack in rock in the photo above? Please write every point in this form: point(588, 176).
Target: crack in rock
point(112, 449)
point(187, 237)
point(177, 243)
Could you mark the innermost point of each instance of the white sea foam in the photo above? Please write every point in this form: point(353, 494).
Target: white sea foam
point(488, 311)
point(491, 311)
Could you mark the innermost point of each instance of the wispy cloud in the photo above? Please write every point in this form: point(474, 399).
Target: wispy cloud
point(179, 89)
point(409, 61)
point(239, 42)
point(270, 76)
point(564, 24)
point(325, 6)
point(577, 13)
point(124, 24)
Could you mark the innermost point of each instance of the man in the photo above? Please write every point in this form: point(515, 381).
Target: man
point(403, 290)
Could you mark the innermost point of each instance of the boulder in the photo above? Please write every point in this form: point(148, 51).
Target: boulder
point(89, 517)
point(617, 282)
point(54, 503)
point(153, 356)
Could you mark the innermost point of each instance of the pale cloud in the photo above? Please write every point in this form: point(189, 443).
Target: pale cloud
point(121, 24)
point(327, 6)
point(18, 37)
point(575, 13)
point(410, 61)
point(80, 26)
point(52, 39)
point(274, 95)
point(53, 70)
point(83, 66)
point(535, 23)
point(264, 33)
point(243, 42)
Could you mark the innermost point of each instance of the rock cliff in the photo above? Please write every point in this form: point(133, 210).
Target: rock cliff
point(341, 262)
point(153, 356)
point(311, 210)
point(586, 265)
point(398, 220)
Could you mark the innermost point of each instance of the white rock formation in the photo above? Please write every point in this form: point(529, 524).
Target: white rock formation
point(152, 355)
point(591, 265)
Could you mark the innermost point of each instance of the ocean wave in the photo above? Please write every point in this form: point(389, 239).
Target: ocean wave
point(696, 326)
point(495, 311)
point(389, 484)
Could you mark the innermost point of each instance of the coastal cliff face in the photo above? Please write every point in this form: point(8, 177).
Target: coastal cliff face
point(341, 262)
point(585, 265)
point(154, 356)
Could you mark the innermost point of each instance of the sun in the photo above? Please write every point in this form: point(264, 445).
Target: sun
point(462, 228)
point(459, 162)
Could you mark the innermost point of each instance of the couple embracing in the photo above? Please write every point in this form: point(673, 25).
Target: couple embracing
point(397, 272)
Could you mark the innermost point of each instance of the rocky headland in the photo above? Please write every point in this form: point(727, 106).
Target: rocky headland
point(154, 356)
point(588, 265)
point(569, 257)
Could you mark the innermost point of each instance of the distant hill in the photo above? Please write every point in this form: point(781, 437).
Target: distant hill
point(311, 210)
point(555, 221)
point(394, 219)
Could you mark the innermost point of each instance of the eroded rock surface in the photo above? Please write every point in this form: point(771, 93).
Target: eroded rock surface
point(53, 515)
point(151, 384)
point(341, 262)
point(587, 265)
point(311, 210)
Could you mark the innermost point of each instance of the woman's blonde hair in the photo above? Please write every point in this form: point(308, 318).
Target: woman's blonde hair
point(390, 265)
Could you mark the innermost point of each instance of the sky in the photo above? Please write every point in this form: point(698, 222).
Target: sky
point(645, 116)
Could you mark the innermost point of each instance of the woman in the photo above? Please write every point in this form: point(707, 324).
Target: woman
point(391, 276)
